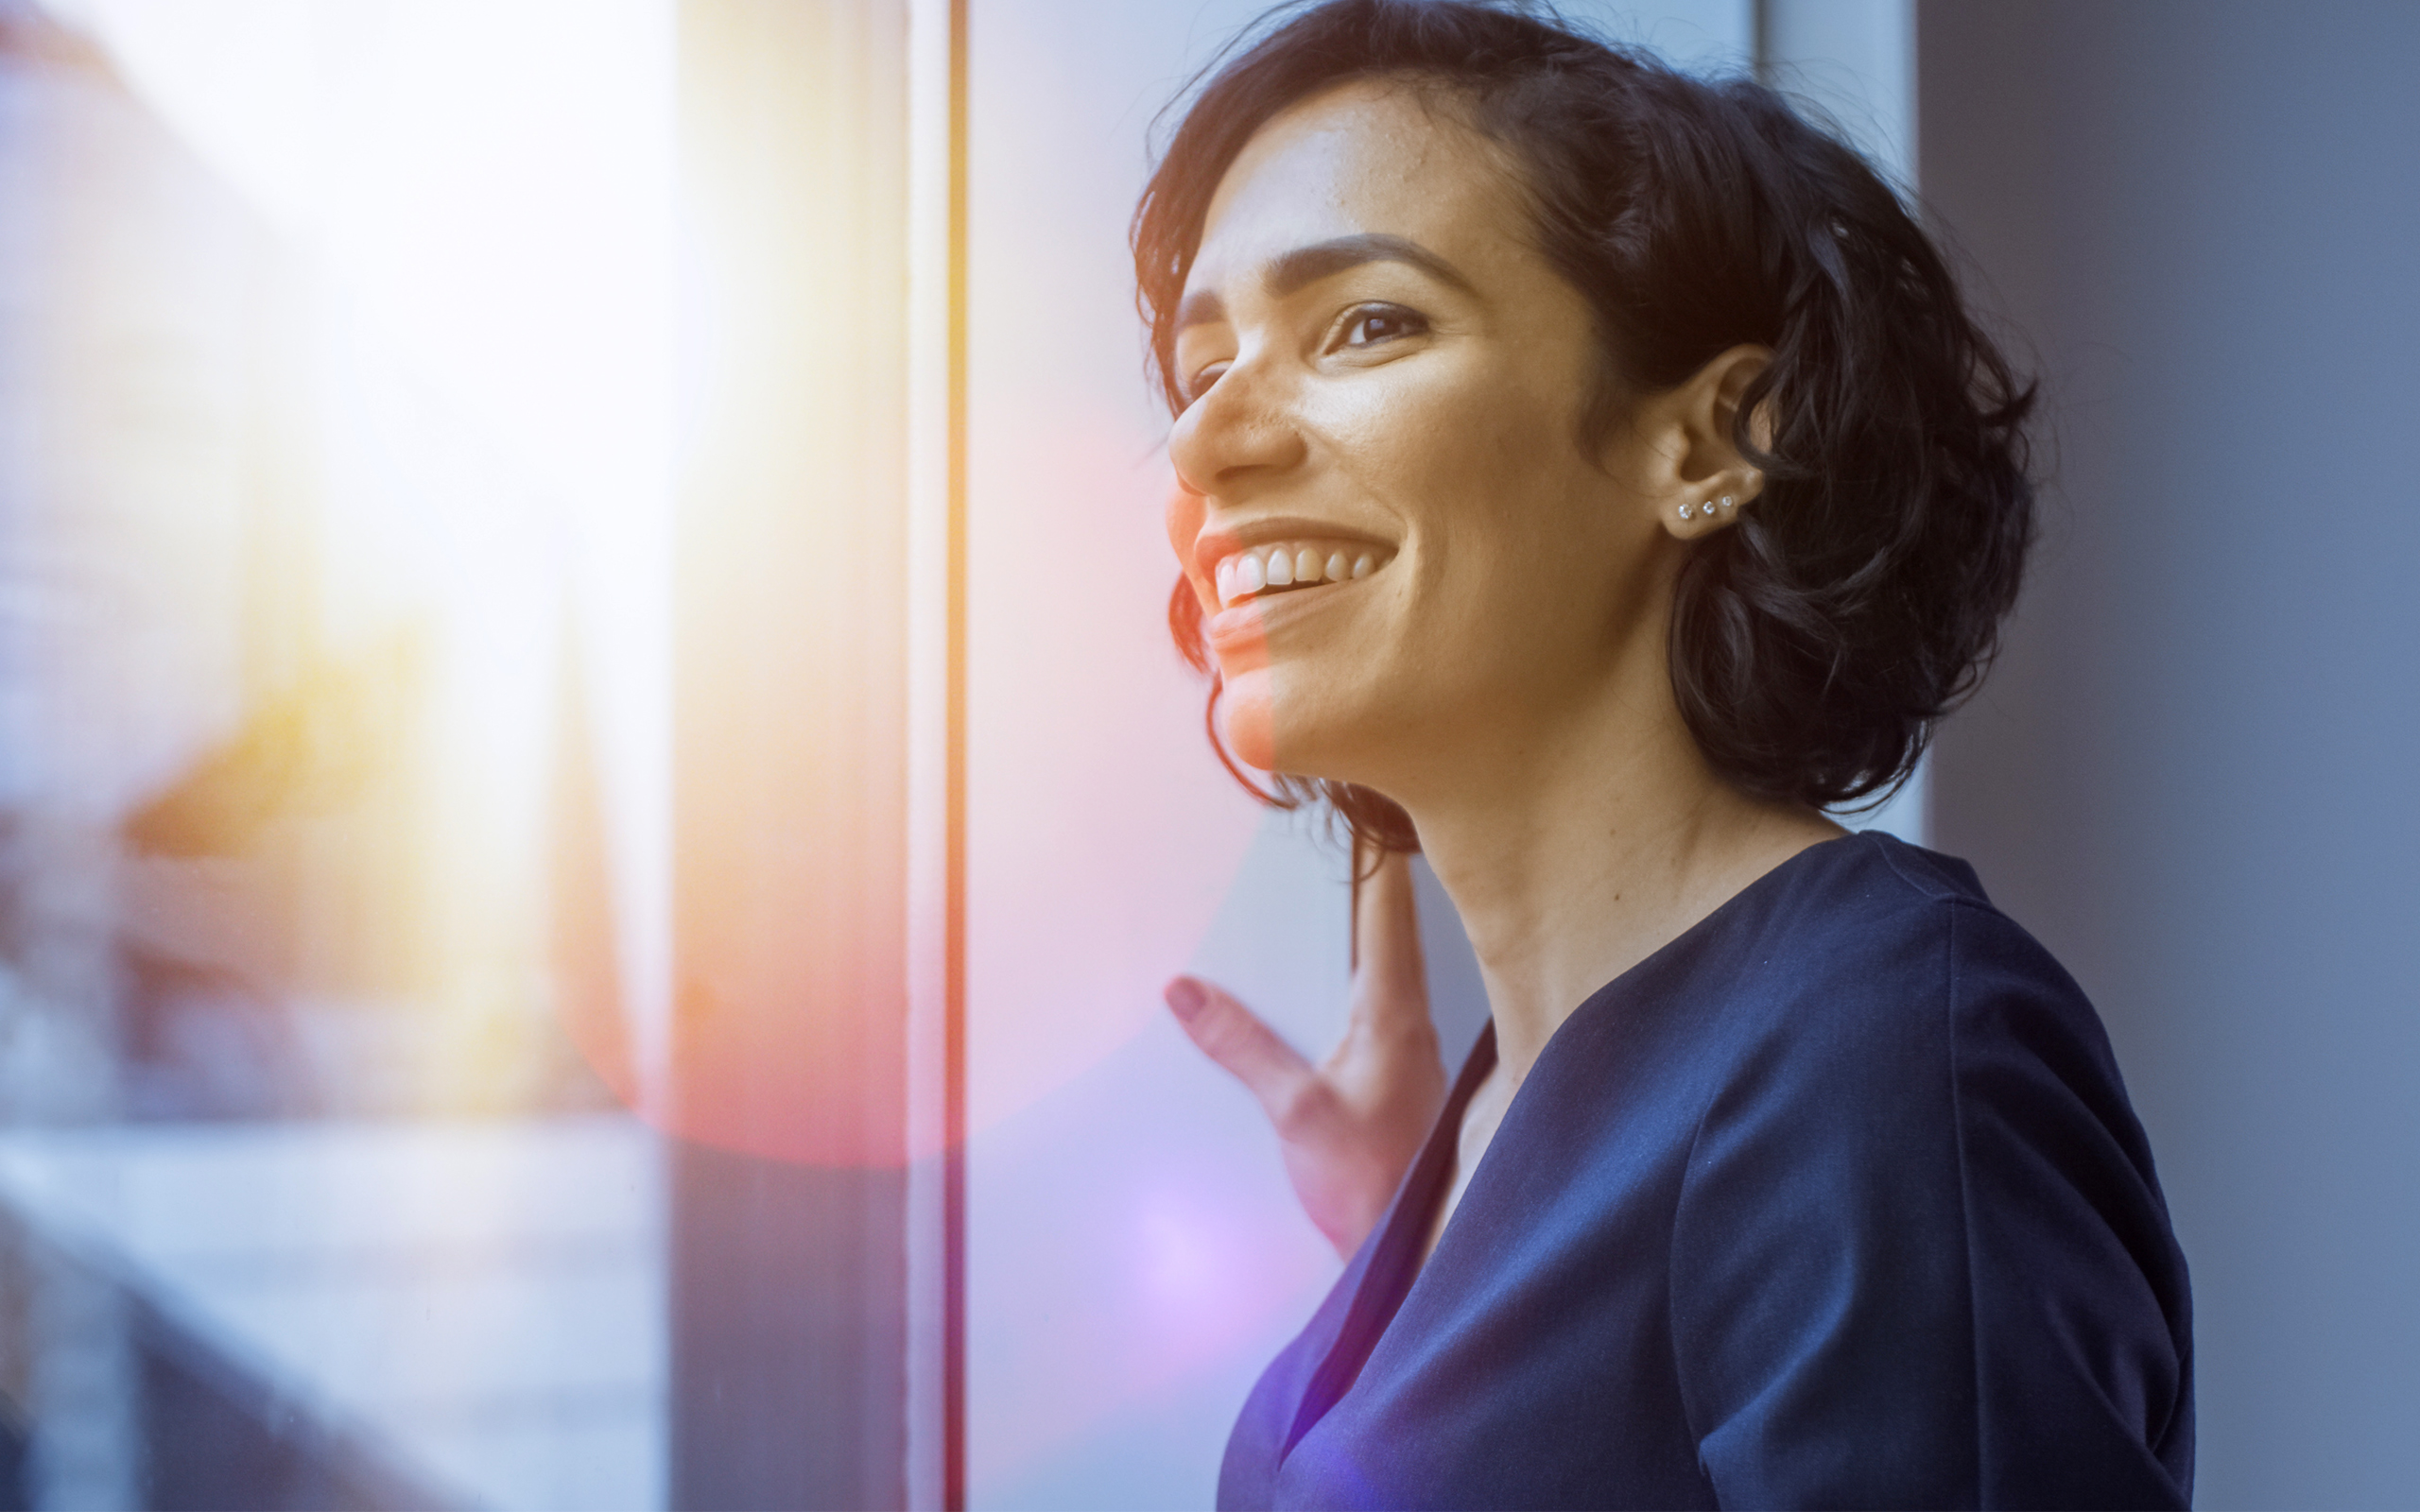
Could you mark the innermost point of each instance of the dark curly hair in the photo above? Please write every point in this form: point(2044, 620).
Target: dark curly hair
point(1814, 645)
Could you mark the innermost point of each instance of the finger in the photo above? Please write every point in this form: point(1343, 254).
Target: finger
point(1232, 1036)
point(1389, 977)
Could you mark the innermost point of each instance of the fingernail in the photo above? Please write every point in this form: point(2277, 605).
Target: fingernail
point(1185, 997)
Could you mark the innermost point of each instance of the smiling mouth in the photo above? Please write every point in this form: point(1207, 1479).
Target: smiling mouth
point(1290, 566)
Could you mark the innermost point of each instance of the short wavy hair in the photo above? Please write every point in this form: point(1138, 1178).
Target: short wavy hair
point(1816, 643)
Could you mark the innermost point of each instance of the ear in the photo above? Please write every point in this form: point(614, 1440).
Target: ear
point(1696, 481)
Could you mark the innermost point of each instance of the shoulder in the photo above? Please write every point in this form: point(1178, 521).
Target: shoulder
point(1866, 952)
point(1881, 1013)
point(1918, 1179)
point(1829, 1000)
point(1892, 1020)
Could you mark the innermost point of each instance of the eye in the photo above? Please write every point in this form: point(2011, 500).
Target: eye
point(1200, 383)
point(1370, 324)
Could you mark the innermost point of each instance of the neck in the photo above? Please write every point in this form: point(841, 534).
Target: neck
point(1574, 854)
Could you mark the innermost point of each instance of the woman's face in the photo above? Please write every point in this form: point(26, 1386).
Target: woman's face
point(1410, 557)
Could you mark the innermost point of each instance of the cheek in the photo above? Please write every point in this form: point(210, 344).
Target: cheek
point(1248, 697)
point(1184, 514)
point(1451, 444)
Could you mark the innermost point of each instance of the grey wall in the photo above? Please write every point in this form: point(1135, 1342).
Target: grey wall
point(2193, 774)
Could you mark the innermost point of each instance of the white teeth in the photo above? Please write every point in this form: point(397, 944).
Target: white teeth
point(1247, 572)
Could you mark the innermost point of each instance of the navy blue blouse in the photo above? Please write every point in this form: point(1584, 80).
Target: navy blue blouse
point(1836, 1200)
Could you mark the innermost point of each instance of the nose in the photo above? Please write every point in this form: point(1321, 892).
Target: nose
point(1239, 433)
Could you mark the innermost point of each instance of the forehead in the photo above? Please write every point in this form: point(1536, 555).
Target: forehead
point(1371, 156)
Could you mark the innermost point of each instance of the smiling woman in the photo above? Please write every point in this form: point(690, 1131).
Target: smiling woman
point(1587, 474)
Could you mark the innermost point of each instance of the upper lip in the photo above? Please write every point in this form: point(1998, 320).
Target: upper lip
point(1217, 542)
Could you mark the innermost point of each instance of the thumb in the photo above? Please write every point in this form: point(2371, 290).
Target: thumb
point(1389, 978)
point(1232, 1036)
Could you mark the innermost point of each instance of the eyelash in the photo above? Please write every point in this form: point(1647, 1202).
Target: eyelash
point(1356, 317)
point(1361, 315)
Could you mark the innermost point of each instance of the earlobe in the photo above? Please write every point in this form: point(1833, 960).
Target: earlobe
point(1696, 517)
point(1702, 514)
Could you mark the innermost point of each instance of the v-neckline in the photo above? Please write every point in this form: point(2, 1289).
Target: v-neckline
point(1396, 1256)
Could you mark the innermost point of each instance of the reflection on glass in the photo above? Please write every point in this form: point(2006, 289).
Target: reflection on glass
point(334, 454)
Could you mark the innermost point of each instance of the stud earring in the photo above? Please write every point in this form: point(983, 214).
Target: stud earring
point(1726, 501)
point(1684, 511)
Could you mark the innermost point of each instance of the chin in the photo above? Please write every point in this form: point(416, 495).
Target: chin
point(1246, 720)
point(1279, 726)
point(1325, 754)
point(1279, 733)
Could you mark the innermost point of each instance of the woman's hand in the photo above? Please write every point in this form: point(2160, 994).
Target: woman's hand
point(1349, 1127)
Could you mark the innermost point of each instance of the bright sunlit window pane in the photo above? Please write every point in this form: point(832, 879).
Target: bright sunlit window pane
point(339, 430)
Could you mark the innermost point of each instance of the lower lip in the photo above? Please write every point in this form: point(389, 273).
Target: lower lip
point(1248, 619)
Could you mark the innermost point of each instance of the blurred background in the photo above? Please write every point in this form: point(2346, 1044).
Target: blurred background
point(594, 805)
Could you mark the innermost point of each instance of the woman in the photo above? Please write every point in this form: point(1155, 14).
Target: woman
point(1587, 476)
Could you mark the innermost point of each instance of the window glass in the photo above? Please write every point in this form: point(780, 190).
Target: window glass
point(336, 442)
point(1135, 1255)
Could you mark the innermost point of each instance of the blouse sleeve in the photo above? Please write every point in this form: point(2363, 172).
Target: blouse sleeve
point(1921, 1258)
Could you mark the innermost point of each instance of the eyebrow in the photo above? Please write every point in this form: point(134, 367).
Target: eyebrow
point(1290, 273)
